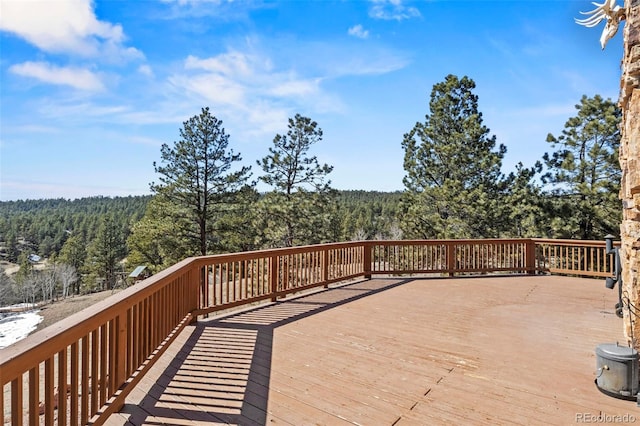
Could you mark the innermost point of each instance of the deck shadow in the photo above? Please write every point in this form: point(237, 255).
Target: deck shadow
point(221, 374)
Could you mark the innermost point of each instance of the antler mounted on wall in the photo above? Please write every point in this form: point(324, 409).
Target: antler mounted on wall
point(608, 10)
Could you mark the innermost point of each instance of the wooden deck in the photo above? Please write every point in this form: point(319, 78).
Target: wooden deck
point(490, 350)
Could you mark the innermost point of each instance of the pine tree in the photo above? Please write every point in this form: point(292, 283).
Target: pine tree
point(74, 254)
point(106, 250)
point(301, 207)
point(198, 178)
point(161, 238)
point(583, 176)
point(453, 180)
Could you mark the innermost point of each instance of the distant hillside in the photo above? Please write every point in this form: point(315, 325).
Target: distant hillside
point(42, 226)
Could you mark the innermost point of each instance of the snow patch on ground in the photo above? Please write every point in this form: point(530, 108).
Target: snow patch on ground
point(17, 326)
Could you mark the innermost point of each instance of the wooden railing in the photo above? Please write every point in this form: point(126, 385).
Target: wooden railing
point(571, 257)
point(79, 370)
point(451, 256)
point(243, 278)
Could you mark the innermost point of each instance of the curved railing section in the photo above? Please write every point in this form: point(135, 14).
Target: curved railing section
point(80, 370)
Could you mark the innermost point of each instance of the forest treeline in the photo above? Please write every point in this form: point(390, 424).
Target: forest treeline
point(205, 200)
point(42, 227)
point(67, 232)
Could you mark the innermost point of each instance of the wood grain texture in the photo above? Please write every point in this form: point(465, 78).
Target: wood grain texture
point(489, 350)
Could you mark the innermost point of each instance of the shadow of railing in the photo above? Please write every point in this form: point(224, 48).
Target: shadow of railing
point(222, 372)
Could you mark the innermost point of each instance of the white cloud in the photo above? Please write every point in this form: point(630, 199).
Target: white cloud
point(358, 31)
point(78, 78)
point(392, 10)
point(65, 26)
point(295, 87)
point(229, 64)
point(213, 87)
point(266, 88)
point(219, 10)
point(247, 84)
point(145, 70)
point(234, 78)
point(376, 62)
point(266, 120)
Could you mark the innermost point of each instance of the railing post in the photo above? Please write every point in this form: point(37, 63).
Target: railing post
point(273, 277)
point(366, 267)
point(325, 267)
point(203, 302)
point(451, 258)
point(196, 287)
point(122, 325)
point(530, 257)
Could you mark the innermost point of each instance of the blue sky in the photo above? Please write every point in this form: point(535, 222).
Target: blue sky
point(90, 90)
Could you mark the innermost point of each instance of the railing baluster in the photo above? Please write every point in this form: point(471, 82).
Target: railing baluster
point(273, 277)
point(84, 396)
point(62, 387)
point(17, 401)
point(110, 380)
point(49, 380)
point(93, 378)
point(74, 385)
point(34, 395)
point(104, 334)
point(146, 326)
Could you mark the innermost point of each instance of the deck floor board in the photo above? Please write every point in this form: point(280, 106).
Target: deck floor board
point(486, 350)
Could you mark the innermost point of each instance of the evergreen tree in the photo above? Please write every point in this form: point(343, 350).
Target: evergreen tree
point(198, 179)
point(106, 251)
point(7, 290)
point(525, 213)
point(236, 230)
point(26, 267)
point(161, 238)
point(301, 208)
point(74, 253)
point(584, 174)
point(12, 246)
point(453, 183)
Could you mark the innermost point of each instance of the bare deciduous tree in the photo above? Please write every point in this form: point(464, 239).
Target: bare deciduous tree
point(67, 275)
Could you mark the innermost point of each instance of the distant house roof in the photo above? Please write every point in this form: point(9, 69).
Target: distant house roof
point(136, 272)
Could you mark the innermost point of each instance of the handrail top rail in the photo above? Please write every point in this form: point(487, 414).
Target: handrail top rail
point(448, 241)
point(560, 242)
point(222, 257)
point(226, 257)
